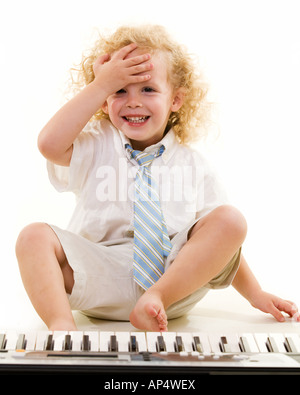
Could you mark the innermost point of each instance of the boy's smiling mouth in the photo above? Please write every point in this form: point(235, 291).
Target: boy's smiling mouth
point(136, 120)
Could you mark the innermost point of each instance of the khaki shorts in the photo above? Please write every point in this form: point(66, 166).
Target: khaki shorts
point(103, 276)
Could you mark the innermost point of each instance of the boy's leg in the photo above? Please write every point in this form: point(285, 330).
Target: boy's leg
point(46, 275)
point(212, 243)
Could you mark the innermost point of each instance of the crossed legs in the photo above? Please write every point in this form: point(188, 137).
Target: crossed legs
point(48, 278)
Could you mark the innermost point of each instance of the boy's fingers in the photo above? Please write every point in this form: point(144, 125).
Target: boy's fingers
point(102, 59)
point(123, 52)
point(277, 314)
point(288, 307)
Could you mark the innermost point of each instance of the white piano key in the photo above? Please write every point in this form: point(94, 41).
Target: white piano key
point(249, 342)
point(152, 340)
point(170, 339)
point(58, 339)
point(123, 339)
point(232, 343)
point(30, 339)
point(141, 341)
point(277, 340)
point(294, 341)
point(261, 341)
point(11, 340)
point(76, 339)
point(41, 338)
point(94, 339)
point(215, 340)
point(104, 342)
point(187, 340)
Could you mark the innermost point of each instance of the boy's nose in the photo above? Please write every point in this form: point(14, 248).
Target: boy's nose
point(133, 101)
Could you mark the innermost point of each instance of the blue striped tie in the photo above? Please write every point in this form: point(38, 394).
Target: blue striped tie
point(151, 240)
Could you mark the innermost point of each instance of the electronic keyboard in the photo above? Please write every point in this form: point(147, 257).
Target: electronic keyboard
point(156, 352)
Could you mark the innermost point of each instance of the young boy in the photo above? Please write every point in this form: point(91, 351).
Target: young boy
point(143, 91)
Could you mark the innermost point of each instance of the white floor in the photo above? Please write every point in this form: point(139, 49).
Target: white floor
point(220, 311)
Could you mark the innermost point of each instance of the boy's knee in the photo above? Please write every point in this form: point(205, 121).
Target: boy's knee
point(232, 221)
point(30, 236)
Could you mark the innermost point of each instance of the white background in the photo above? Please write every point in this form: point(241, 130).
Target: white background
point(251, 54)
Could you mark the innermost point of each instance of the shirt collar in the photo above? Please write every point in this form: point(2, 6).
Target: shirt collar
point(169, 141)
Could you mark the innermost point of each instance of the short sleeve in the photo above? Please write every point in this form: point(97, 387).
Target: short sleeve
point(72, 178)
point(212, 192)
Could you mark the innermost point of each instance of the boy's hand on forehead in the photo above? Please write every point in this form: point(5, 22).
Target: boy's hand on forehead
point(114, 72)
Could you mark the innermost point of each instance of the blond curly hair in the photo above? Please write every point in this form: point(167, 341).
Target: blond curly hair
point(190, 121)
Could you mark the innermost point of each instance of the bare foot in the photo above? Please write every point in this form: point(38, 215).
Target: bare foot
point(149, 314)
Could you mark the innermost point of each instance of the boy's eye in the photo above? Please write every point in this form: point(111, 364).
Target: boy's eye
point(148, 89)
point(120, 91)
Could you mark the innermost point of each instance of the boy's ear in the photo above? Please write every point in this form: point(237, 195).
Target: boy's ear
point(178, 99)
point(105, 107)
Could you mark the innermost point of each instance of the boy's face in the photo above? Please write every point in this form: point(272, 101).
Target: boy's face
point(141, 111)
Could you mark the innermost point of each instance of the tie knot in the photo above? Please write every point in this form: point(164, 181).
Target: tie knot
point(143, 158)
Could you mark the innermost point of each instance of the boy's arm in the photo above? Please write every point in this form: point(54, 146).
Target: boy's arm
point(113, 73)
point(247, 285)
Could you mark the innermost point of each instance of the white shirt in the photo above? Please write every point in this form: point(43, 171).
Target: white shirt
point(101, 174)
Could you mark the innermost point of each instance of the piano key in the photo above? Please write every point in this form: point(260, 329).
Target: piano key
point(133, 347)
point(86, 344)
point(41, 339)
point(141, 341)
point(292, 340)
point(67, 344)
point(215, 343)
point(11, 340)
point(30, 339)
point(49, 342)
point(105, 341)
point(197, 344)
point(2, 341)
point(261, 341)
point(170, 341)
point(204, 341)
point(187, 340)
point(21, 342)
point(277, 341)
point(160, 344)
point(76, 340)
point(113, 343)
point(59, 340)
point(233, 343)
point(179, 346)
point(152, 340)
point(225, 347)
point(94, 339)
point(248, 343)
point(123, 339)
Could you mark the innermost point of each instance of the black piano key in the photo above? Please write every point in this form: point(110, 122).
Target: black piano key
point(290, 345)
point(67, 343)
point(269, 345)
point(49, 342)
point(161, 345)
point(86, 345)
point(179, 344)
point(113, 346)
point(243, 344)
point(21, 342)
point(133, 344)
point(2, 341)
point(197, 344)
